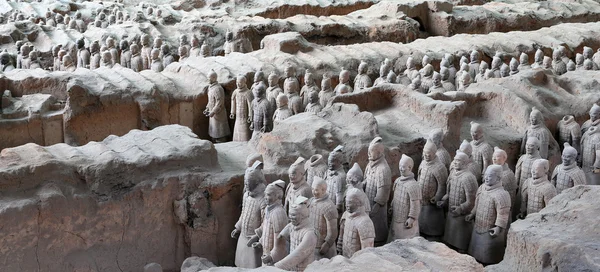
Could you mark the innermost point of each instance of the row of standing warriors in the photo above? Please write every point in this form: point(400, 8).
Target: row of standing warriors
point(468, 202)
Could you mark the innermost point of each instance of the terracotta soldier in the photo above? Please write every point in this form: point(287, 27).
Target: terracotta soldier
point(588, 55)
point(34, 58)
point(508, 179)
point(294, 100)
point(491, 214)
point(5, 63)
point(228, 46)
point(495, 68)
point(426, 60)
point(283, 110)
point(81, 27)
point(483, 69)
point(482, 151)
point(95, 55)
point(303, 239)
point(579, 61)
point(195, 47)
point(183, 42)
point(324, 217)
point(537, 190)
point(378, 183)
point(356, 228)
point(313, 105)
point(23, 58)
point(571, 66)
point(261, 117)
point(297, 186)
point(354, 179)
point(559, 67)
point(275, 220)
point(569, 131)
point(450, 62)
point(467, 148)
point(514, 66)
point(415, 84)
point(110, 44)
point(167, 56)
point(61, 55)
point(145, 51)
point(406, 203)
point(474, 64)
point(538, 129)
point(326, 92)
point(427, 78)
point(504, 70)
point(594, 119)
point(547, 63)
point(437, 137)
point(56, 63)
point(590, 143)
point(315, 167)
point(523, 168)
point(273, 91)
point(411, 72)
point(218, 128)
point(524, 62)
point(391, 77)
point(309, 86)
point(241, 110)
point(205, 50)
point(362, 80)
point(461, 188)
point(437, 87)
point(183, 53)
point(567, 174)
point(291, 80)
point(156, 65)
point(538, 59)
point(68, 64)
point(125, 60)
point(336, 177)
point(83, 55)
point(344, 85)
point(137, 64)
point(259, 78)
point(107, 60)
point(382, 76)
point(464, 81)
point(464, 68)
point(251, 217)
point(448, 86)
point(432, 177)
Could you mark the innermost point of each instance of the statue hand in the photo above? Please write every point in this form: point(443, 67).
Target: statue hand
point(252, 240)
point(521, 215)
point(249, 120)
point(409, 223)
point(440, 204)
point(456, 210)
point(267, 259)
point(235, 233)
point(469, 217)
point(340, 207)
point(433, 201)
point(324, 248)
point(232, 116)
point(211, 114)
point(375, 209)
point(494, 231)
point(257, 245)
point(251, 126)
point(263, 129)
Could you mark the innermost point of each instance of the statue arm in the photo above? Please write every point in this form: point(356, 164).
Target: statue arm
point(524, 196)
point(384, 185)
point(300, 253)
point(219, 103)
point(366, 235)
point(549, 195)
point(415, 202)
point(233, 102)
point(487, 157)
point(502, 210)
point(332, 228)
point(470, 193)
point(441, 188)
point(553, 177)
point(339, 191)
point(340, 240)
point(576, 139)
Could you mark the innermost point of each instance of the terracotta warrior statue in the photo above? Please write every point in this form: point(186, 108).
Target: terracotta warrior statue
point(474, 64)
point(303, 239)
point(571, 66)
point(156, 65)
point(273, 91)
point(195, 47)
point(336, 177)
point(362, 80)
point(567, 174)
point(483, 69)
point(524, 62)
point(588, 54)
point(426, 60)
point(241, 110)
point(315, 167)
point(547, 63)
point(538, 59)
point(467, 148)
point(261, 117)
point(406, 203)
point(297, 186)
point(125, 60)
point(450, 64)
point(83, 55)
point(114, 53)
point(538, 129)
point(137, 64)
point(145, 51)
point(523, 168)
point(275, 219)
point(107, 60)
point(218, 127)
point(464, 81)
point(309, 86)
point(354, 179)
point(324, 216)
point(313, 103)
point(448, 86)
point(259, 78)
point(558, 65)
point(23, 57)
point(378, 183)
point(508, 179)
point(491, 214)
point(514, 66)
point(167, 56)
point(34, 58)
point(5, 63)
point(427, 78)
point(594, 119)
point(344, 85)
point(291, 80)
point(569, 132)
point(590, 143)
point(461, 188)
point(482, 151)
point(294, 100)
point(537, 190)
point(326, 92)
point(411, 71)
point(283, 110)
point(432, 177)
point(382, 76)
point(253, 203)
point(437, 137)
point(95, 55)
point(437, 86)
point(356, 228)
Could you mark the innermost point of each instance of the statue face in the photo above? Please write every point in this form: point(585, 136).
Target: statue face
point(353, 180)
point(288, 71)
point(459, 163)
point(375, 152)
point(594, 116)
point(491, 178)
point(568, 159)
point(240, 83)
point(405, 168)
point(319, 189)
point(308, 80)
point(498, 158)
point(271, 196)
point(534, 120)
point(297, 216)
point(272, 82)
point(537, 170)
point(428, 155)
point(250, 183)
point(474, 57)
point(352, 203)
point(530, 148)
point(325, 84)
point(476, 134)
point(296, 174)
point(333, 161)
point(344, 77)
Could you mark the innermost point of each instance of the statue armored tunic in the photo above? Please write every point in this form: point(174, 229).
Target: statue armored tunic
point(217, 124)
point(241, 107)
point(295, 190)
point(378, 183)
point(547, 141)
point(322, 210)
point(260, 116)
point(432, 177)
point(481, 156)
point(354, 230)
point(522, 173)
point(509, 183)
point(461, 190)
point(405, 203)
point(569, 131)
point(336, 181)
point(536, 194)
point(590, 143)
point(250, 219)
point(443, 155)
point(302, 243)
point(274, 221)
point(565, 177)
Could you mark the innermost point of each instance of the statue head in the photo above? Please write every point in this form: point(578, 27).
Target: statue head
point(157, 43)
point(539, 168)
point(110, 42)
point(80, 43)
point(466, 148)
point(429, 151)
point(391, 77)
point(313, 97)
point(204, 49)
point(319, 187)
point(344, 76)
point(33, 55)
point(449, 58)
point(436, 136)
point(547, 63)
point(309, 78)
point(289, 71)
point(476, 131)
point(532, 146)
point(296, 171)
point(183, 52)
point(539, 56)
point(336, 157)
point(240, 82)
point(474, 56)
point(415, 83)
point(4, 58)
point(410, 63)
point(259, 91)
point(124, 45)
point(465, 79)
point(145, 40)
point(571, 66)
point(493, 175)
point(259, 75)
point(437, 79)
point(382, 71)
point(524, 59)
point(428, 70)
point(579, 59)
point(460, 161)
point(362, 68)
point(588, 53)
point(535, 117)
point(107, 57)
point(463, 60)
point(444, 73)
point(155, 53)
point(514, 65)
point(426, 60)
point(290, 87)
point(282, 101)
point(376, 149)
point(274, 192)
point(67, 61)
point(228, 36)
point(134, 48)
point(254, 176)
point(149, 10)
point(569, 155)
point(212, 76)
point(354, 201)
point(594, 112)
point(326, 82)
point(183, 40)
point(444, 63)
point(556, 55)
point(588, 65)
point(406, 165)
point(354, 175)
point(483, 66)
point(496, 63)
point(78, 15)
point(273, 79)
point(499, 157)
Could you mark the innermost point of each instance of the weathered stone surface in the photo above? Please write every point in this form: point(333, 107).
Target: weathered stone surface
point(109, 206)
point(195, 264)
point(561, 237)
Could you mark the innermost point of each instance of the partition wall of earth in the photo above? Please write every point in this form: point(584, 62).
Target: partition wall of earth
point(329, 135)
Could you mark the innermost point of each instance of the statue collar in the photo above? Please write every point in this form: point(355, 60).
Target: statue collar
point(410, 176)
point(493, 187)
